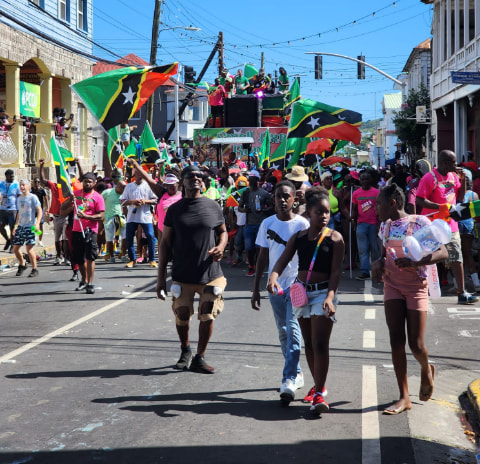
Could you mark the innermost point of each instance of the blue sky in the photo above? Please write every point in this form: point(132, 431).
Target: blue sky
point(384, 31)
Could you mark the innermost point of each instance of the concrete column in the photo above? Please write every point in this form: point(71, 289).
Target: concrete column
point(466, 21)
point(12, 93)
point(460, 128)
point(45, 129)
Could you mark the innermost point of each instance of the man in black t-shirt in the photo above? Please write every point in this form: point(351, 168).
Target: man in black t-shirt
point(194, 237)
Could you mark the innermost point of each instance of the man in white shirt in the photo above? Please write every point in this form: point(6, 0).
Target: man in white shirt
point(139, 199)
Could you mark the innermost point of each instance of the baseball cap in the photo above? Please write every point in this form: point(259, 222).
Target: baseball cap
point(190, 168)
point(90, 175)
point(254, 173)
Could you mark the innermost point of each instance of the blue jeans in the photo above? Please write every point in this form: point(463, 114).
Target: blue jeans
point(130, 235)
point(368, 243)
point(289, 333)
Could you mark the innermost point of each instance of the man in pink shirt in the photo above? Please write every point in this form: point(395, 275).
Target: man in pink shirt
point(364, 200)
point(447, 184)
point(89, 211)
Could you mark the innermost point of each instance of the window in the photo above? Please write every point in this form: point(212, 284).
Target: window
point(82, 14)
point(62, 9)
point(39, 3)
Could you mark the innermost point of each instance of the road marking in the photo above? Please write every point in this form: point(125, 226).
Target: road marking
point(431, 308)
point(369, 339)
point(469, 333)
point(55, 333)
point(464, 313)
point(370, 313)
point(367, 293)
point(370, 425)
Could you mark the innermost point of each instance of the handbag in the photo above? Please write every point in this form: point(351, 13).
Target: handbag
point(298, 292)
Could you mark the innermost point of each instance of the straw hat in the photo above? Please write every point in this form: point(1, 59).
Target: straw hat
point(297, 174)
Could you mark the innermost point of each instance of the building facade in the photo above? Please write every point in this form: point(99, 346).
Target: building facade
point(456, 48)
point(46, 46)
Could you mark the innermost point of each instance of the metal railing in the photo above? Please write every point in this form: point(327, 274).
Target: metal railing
point(35, 147)
point(8, 151)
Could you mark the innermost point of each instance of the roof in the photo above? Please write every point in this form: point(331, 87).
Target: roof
point(425, 46)
point(392, 101)
point(130, 59)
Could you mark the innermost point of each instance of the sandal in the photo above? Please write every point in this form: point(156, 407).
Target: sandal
point(426, 390)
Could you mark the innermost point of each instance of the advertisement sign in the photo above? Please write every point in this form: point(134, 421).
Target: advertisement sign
point(460, 77)
point(205, 152)
point(29, 100)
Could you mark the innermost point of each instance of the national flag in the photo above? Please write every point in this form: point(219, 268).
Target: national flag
point(131, 150)
point(234, 198)
point(114, 146)
point(204, 85)
point(293, 94)
point(115, 96)
point(67, 156)
point(63, 179)
point(277, 158)
point(250, 71)
point(317, 147)
point(314, 119)
point(296, 149)
point(463, 211)
point(264, 153)
point(150, 152)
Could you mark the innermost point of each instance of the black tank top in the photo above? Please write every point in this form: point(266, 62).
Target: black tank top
point(305, 250)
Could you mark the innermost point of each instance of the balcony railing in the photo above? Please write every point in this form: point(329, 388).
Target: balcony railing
point(35, 147)
point(8, 152)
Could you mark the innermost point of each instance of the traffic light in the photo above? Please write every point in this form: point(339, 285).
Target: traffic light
point(189, 75)
point(361, 68)
point(318, 66)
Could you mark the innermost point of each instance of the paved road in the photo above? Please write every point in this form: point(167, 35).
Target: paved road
point(89, 378)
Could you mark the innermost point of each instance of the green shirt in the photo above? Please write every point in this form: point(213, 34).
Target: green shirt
point(112, 203)
point(241, 82)
point(283, 82)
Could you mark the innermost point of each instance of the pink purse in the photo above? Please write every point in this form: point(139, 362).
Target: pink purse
point(298, 292)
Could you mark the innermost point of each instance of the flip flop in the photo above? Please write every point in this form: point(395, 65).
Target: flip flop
point(426, 391)
point(392, 411)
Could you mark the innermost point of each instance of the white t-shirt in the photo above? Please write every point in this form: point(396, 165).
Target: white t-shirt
point(141, 214)
point(274, 234)
point(241, 217)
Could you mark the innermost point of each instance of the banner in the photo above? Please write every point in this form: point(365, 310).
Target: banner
point(29, 100)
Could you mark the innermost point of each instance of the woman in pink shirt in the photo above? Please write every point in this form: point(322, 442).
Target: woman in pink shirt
point(171, 196)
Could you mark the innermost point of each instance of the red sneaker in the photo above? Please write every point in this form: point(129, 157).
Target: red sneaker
point(309, 396)
point(251, 272)
point(319, 405)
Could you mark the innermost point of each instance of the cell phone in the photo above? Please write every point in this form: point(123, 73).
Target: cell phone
point(71, 116)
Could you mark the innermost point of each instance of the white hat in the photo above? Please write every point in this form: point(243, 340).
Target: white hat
point(170, 179)
point(254, 173)
point(297, 174)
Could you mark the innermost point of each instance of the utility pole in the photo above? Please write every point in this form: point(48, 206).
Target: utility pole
point(262, 61)
point(220, 52)
point(153, 55)
point(216, 48)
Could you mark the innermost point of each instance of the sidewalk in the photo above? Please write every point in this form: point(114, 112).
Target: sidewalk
point(9, 260)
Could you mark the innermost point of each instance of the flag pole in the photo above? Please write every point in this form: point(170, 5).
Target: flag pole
point(69, 183)
point(350, 234)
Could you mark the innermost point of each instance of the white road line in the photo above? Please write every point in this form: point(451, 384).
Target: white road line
point(55, 333)
point(370, 313)
point(369, 339)
point(367, 292)
point(431, 308)
point(370, 425)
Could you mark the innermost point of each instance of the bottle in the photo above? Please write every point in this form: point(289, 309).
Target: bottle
point(35, 231)
point(257, 203)
point(433, 281)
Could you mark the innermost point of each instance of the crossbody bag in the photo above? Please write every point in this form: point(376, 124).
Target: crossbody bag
point(298, 292)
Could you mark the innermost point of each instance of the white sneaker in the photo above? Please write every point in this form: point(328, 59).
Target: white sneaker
point(40, 244)
point(299, 381)
point(57, 261)
point(287, 391)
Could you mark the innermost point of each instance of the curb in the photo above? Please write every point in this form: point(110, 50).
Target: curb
point(474, 396)
point(11, 260)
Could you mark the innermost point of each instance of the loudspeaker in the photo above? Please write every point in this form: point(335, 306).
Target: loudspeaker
point(241, 111)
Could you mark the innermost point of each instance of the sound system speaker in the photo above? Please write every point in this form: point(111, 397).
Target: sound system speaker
point(241, 111)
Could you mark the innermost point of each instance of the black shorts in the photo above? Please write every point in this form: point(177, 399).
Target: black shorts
point(84, 249)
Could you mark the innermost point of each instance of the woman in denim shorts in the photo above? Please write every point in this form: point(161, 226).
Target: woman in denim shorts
point(317, 317)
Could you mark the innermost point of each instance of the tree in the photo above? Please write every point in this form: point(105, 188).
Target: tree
point(408, 131)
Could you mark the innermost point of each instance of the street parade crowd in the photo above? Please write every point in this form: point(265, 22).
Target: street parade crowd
point(306, 227)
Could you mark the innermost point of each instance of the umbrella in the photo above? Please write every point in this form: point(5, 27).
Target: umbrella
point(317, 147)
point(234, 197)
point(336, 159)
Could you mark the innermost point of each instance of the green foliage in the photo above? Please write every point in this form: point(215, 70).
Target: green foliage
point(408, 131)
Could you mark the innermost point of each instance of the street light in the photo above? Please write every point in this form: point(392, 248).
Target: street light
point(153, 59)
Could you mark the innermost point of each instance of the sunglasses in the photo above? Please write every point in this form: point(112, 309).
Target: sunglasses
point(191, 175)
